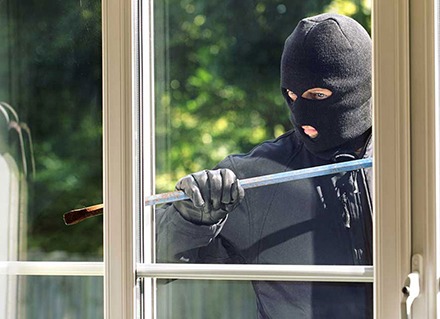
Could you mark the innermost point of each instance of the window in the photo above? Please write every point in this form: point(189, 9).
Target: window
point(392, 160)
point(404, 158)
point(216, 86)
point(405, 155)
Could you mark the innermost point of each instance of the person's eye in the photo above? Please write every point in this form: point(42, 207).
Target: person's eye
point(292, 95)
point(317, 94)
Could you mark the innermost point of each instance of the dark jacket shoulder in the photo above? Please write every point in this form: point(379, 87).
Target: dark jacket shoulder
point(268, 157)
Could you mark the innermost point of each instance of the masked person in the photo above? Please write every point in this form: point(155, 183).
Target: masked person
point(326, 82)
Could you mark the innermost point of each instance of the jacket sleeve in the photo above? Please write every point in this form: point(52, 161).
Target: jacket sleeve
point(178, 240)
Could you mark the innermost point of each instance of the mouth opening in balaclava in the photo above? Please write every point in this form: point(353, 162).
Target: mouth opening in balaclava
point(333, 52)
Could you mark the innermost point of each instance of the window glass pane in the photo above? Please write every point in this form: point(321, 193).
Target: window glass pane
point(50, 128)
point(217, 77)
point(229, 299)
point(35, 297)
point(217, 82)
point(207, 299)
point(218, 92)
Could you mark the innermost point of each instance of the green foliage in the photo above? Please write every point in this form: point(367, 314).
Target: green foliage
point(52, 76)
point(217, 76)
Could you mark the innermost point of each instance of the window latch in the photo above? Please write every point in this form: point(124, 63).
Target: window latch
point(411, 287)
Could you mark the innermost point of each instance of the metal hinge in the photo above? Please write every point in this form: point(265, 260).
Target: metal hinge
point(411, 287)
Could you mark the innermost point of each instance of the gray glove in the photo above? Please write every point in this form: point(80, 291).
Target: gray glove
point(213, 194)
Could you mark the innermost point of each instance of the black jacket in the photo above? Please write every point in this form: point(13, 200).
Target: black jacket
point(318, 221)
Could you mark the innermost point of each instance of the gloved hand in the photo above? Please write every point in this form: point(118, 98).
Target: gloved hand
point(213, 194)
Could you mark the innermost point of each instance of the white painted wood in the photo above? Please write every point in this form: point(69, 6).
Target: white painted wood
point(51, 268)
point(119, 281)
point(424, 117)
point(258, 272)
point(392, 175)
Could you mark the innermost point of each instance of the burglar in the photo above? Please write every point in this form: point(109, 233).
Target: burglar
point(326, 82)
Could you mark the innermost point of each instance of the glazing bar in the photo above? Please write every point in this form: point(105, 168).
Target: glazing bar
point(273, 179)
point(257, 272)
point(51, 268)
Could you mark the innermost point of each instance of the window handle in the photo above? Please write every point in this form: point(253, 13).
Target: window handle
point(411, 287)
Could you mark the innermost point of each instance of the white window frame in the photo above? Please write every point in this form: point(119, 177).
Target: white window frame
point(424, 128)
point(392, 188)
point(118, 44)
point(404, 161)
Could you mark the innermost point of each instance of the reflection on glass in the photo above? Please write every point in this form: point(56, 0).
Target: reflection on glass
point(220, 90)
point(50, 128)
point(217, 77)
point(41, 297)
point(229, 299)
point(203, 299)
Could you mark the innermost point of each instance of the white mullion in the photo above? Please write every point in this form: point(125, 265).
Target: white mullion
point(319, 273)
point(423, 117)
point(119, 279)
point(148, 149)
point(51, 268)
point(437, 139)
point(392, 188)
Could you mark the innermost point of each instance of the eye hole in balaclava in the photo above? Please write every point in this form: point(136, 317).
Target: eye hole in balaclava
point(314, 94)
point(333, 52)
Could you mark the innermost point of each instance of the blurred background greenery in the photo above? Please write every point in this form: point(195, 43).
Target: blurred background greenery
point(216, 88)
point(217, 91)
point(50, 72)
point(217, 76)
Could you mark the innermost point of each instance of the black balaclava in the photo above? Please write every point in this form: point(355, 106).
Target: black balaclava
point(333, 52)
